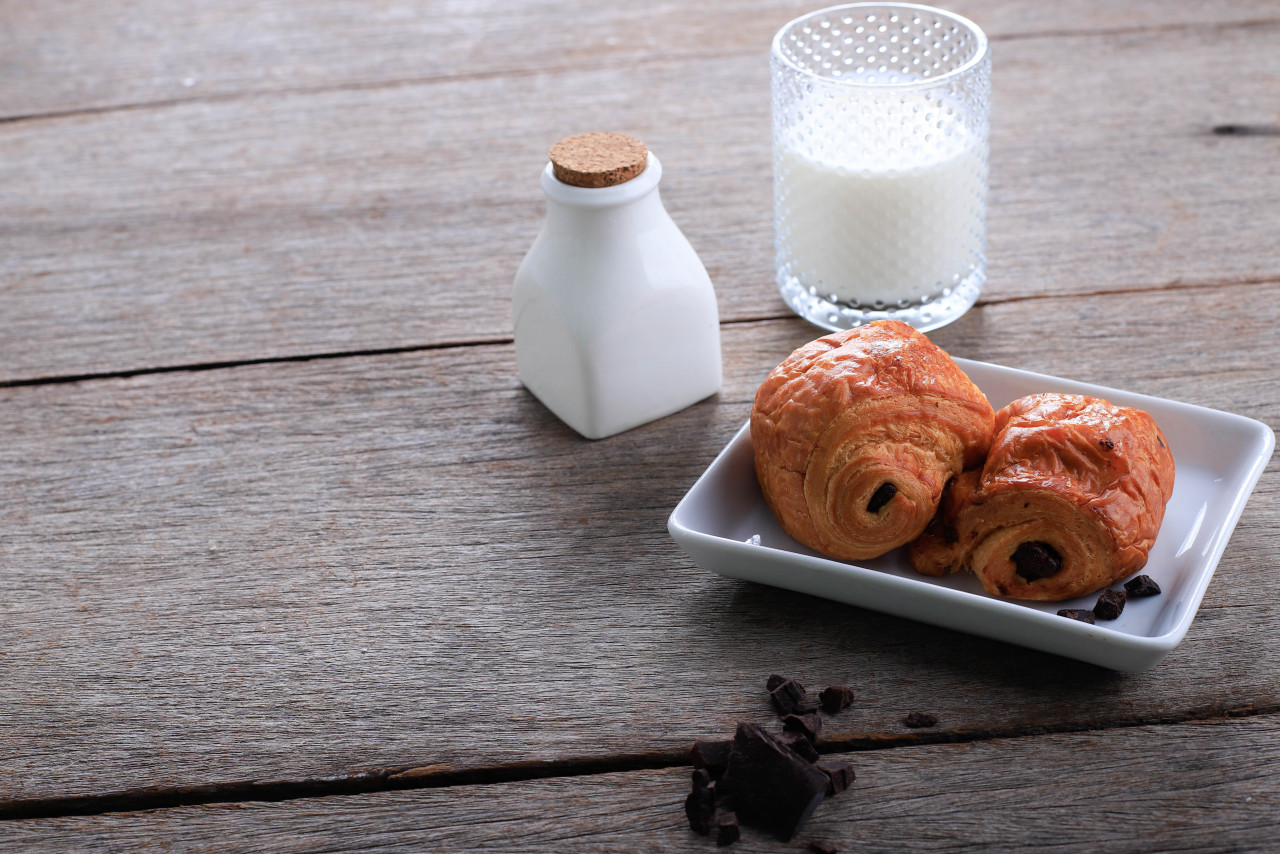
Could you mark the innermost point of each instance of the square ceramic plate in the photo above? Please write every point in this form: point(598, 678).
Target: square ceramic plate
point(1219, 458)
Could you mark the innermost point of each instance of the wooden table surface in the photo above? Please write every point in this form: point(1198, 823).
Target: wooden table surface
point(290, 561)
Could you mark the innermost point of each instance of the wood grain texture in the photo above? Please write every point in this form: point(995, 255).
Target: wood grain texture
point(1200, 787)
point(74, 55)
point(352, 220)
point(281, 572)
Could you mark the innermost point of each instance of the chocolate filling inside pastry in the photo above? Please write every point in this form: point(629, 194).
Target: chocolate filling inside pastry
point(1036, 560)
point(882, 497)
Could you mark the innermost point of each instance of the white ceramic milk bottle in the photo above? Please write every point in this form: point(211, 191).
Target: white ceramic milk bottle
point(615, 316)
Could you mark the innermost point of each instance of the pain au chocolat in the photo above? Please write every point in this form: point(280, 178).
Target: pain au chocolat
point(857, 433)
point(1069, 500)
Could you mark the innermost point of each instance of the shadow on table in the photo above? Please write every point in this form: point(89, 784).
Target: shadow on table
point(893, 664)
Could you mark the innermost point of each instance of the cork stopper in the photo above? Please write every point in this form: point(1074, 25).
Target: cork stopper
point(598, 159)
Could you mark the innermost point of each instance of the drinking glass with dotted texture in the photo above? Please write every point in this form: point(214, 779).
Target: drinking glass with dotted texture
point(881, 119)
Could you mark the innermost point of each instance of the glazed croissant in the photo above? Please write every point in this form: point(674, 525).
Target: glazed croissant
point(1069, 501)
point(857, 433)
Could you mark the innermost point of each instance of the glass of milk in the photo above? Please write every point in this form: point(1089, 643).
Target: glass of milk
point(880, 128)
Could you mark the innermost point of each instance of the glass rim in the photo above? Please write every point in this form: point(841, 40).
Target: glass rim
point(842, 82)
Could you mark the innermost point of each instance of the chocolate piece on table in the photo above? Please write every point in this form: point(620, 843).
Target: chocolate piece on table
point(1140, 586)
point(1082, 614)
point(919, 720)
point(700, 805)
point(800, 743)
point(699, 808)
point(727, 831)
point(787, 696)
point(840, 775)
point(807, 725)
point(711, 755)
point(836, 698)
point(1110, 605)
point(823, 848)
point(774, 681)
point(771, 787)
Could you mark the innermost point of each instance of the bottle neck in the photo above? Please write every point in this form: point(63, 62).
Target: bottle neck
point(593, 207)
point(567, 195)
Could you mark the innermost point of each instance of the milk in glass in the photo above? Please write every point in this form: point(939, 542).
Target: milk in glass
point(883, 204)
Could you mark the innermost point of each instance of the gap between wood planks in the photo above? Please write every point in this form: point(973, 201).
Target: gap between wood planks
point(196, 367)
point(1251, 130)
point(443, 776)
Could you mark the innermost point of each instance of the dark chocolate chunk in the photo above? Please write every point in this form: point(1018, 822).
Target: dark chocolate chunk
point(1140, 586)
point(919, 720)
point(817, 847)
point(1036, 560)
point(836, 698)
point(1108, 444)
point(800, 743)
point(727, 831)
point(700, 805)
point(1081, 614)
point(711, 755)
point(1110, 605)
point(787, 697)
point(774, 681)
point(807, 725)
point(771, 787)
point(882, 496)
point(839, 775)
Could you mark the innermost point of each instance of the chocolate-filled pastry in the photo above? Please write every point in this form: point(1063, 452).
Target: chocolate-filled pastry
point(1070, 500)
point(857, 433)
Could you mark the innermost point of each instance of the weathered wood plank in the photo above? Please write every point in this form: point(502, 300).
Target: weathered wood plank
point(286, 571)
point(357, 220)
point(1202, 787)
point(74, 55)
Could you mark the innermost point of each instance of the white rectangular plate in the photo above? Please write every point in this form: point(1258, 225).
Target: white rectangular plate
point(1219, 458)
